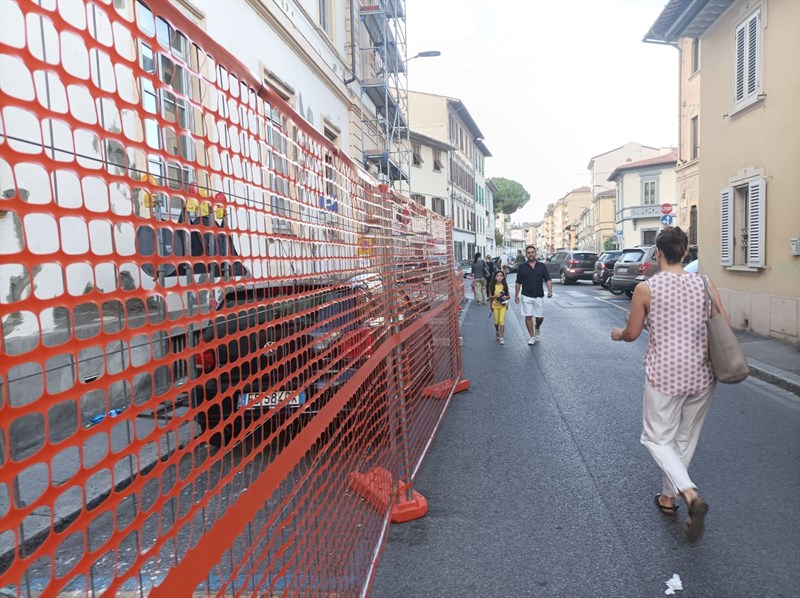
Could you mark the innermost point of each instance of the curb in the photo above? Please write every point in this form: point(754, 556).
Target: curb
point(774, 375)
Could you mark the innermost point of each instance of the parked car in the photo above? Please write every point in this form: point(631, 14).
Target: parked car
point(571, 266)
point(466, 268)
point(604, 267)
point(289, 346)
point(636, 265)
point(691, 266)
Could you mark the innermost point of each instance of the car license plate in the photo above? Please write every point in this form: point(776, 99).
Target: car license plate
point(252, 400)
point(622, 270)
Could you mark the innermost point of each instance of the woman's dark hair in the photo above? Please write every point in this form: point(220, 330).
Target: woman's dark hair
point(505, 282)
point(477, 257)
point(672, 242)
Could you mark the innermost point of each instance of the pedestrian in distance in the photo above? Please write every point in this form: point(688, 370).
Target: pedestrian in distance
point(499, 296)
point(490, 270)
point(679, 382)
point(479, 279)
point(520, 259)
point(531, 278)
point(504, 263)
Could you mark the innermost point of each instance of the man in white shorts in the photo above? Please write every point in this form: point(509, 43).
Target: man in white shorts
point(531, 277)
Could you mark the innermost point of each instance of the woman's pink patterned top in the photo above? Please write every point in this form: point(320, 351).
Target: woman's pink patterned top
point(677, 352)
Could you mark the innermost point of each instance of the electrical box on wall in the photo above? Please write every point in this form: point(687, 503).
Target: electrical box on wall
point(794, 246)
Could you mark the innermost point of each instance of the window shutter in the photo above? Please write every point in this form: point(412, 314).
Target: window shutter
point(740, 64)
point(755, 223)
point(726, 227)
point(752, 55)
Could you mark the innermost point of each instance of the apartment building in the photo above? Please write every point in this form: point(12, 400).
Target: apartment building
point(687, 171)
point(748, 213)
point(600, 168)
point(491, 246)
point(604, 221)
point(642, 188)
point(429, 174)
point(448, 120)
point(565, 211)
point(548, 228)
point(483, 223)
point(341, 65)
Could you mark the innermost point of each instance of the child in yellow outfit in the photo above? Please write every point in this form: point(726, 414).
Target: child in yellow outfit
point(499, 296)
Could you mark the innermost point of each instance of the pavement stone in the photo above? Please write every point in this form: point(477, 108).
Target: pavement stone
point(772, 360)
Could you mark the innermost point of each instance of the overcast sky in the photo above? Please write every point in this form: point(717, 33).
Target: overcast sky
point(549, 83)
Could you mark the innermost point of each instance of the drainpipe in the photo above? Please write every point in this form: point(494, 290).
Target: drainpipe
point(352, 76)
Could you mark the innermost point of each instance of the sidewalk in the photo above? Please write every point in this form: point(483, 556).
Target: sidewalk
point(772, 360)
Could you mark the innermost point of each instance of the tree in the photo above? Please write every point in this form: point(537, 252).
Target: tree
point(510, 196)
point(608, 245)
point(499, 239)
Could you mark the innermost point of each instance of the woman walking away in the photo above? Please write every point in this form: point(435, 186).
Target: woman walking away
point(490, 270)
point(679, 383)
point(479, 282)
point(499, 297)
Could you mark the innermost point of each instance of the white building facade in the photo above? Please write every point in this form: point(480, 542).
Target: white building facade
point(643, 187)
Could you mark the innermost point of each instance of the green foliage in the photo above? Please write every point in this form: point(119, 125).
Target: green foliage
point(608, 244)
point(510, 196)
point(499, 239)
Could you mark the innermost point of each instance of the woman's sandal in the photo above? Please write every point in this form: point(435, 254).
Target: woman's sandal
point(668, 511)
point(697, 519)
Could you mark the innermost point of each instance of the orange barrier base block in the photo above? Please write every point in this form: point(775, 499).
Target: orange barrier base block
point(441, 390)
point(408, 510)
point(376, 488)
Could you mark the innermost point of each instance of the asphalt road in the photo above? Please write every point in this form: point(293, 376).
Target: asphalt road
point(537, 484)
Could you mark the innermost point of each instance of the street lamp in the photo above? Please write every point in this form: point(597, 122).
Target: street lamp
point(425, 54)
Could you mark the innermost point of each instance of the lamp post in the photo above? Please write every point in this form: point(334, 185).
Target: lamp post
point(424, 54)
point(405, 136)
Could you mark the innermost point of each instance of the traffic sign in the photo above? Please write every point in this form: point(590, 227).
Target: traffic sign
point(666, 220)
point(666, 208)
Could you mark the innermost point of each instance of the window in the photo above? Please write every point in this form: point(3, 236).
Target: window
point(437, 160)
point(325, 17)
point(420, 199)
point(649, 193)
point(416, 151)
point(331, 133)
point(695, 55)
point(695, 136)
point(437, 205)
point(747, 75)
point(742, 224)
point(649, 237)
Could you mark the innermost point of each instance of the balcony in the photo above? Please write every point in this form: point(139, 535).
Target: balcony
point(636, 212)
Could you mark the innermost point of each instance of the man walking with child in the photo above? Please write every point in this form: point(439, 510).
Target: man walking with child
point(531, 277)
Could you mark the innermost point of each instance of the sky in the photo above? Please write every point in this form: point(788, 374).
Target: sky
point(549, 83)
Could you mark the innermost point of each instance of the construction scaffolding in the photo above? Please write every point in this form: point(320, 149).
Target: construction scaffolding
point(384, 92)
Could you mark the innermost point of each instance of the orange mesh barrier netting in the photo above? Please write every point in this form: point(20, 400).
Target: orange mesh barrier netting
point(225, 349)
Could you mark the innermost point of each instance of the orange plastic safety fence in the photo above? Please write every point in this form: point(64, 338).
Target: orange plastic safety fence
point(225, 348)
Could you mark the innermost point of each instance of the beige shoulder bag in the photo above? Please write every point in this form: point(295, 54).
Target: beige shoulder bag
point(727, 357)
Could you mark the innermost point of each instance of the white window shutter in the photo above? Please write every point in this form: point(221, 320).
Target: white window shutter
point(739, 82)
point(726, 227)
point(753, 26)
point(755, 223)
